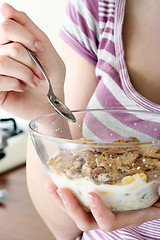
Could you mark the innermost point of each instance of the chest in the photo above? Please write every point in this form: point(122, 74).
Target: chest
point(141, 39)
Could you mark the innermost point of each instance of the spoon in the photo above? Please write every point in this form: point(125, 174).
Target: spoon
point(59, 106)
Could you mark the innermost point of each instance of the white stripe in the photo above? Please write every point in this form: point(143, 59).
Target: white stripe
point(108, 36)
point(123, 130)
point(89, 134)
point(106, 15)
point(109, 235)
point(86, 237)
point(117, 91)
point(73, 28)
point(95, 235)
point(110, 58)
point(107, 4)
point(90, 19)
point(122, 98)
point(78, 238)
point(109, 10)
point(126, 236)
point(109, 24)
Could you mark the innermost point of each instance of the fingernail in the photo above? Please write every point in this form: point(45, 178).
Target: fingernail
point(38, 45)
point(91, 200)
point(48, 188)
point(36, 80)
point(62, 197)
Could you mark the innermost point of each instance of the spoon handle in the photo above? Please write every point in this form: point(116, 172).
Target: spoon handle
point(35, 59)
point(59, 106)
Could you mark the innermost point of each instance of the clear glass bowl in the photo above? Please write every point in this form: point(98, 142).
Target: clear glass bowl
point(114, 153)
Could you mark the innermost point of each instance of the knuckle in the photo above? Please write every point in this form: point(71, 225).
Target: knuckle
point(16, 49)
point(5, 26)
point(15, 85)
point(23, 14)
point(3, 62)
point(28, 76)
point(24, 17)
point(84, 227)
point(30, 41)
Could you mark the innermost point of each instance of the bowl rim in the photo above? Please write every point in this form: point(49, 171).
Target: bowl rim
point(97, 144)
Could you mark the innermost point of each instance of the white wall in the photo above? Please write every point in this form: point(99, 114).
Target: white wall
point(48, 15)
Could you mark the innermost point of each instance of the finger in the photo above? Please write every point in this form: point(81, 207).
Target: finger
point(17, 52)
point(103, 216)
point(40, 44)
point(11, 84)
point(52, 189)
point(11, 13)
point(157, 204)
point(159, 190)
point(12, 31)
point(12, 68)
point(108, 221)
point(83, 220)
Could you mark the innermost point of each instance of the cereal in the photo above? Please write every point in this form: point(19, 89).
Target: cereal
point(109, 165)
point(130, 179)
point(125, 177)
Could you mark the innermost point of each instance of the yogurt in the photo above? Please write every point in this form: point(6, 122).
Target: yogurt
point(119, 198)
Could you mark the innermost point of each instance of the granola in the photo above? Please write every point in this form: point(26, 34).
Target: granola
point(109, 165)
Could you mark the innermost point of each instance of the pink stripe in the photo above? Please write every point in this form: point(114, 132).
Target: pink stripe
point(108, 45)
point(81, 22)
point(108, 98)
point(145, 230)
point(104, 133)
point(106, 19)
point(78, 47)
point(108, 8)
point(109, 30)
point(110, 235)
point(107, 2)
point(92, 6)
point(110, 70)
point(89, 233)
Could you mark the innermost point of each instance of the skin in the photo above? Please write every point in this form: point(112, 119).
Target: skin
point(23, 93)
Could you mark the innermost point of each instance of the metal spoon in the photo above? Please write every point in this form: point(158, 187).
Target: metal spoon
point(59, 106)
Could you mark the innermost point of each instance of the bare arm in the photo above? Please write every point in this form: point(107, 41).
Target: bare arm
point(80, 81)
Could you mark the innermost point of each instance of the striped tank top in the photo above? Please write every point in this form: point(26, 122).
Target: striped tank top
point(93, 28)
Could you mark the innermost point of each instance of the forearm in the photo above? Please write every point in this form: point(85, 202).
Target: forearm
point(59, 223)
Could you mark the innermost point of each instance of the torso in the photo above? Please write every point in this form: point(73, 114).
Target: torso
point(141, 39)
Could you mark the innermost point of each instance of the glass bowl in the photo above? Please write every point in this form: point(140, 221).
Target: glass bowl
point(114, 153)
